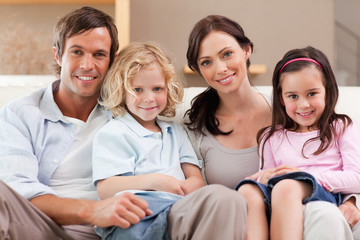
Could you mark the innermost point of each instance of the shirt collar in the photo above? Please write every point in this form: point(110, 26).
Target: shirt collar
point(48, 106)
point(137, 128)
point(50, 109)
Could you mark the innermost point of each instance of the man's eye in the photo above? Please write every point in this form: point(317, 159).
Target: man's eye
point(100, 54)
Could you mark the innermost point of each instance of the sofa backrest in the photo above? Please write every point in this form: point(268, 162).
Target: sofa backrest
point(15, 86)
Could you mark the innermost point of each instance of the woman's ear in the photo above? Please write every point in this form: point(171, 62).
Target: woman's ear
point(248, 52)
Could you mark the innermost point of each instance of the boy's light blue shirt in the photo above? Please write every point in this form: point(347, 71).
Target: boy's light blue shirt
point(125, 147)
point(34, 139)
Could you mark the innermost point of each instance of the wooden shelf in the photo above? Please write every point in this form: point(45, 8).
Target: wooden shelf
point(257, 69)
point(254, 69)
point(84, 2)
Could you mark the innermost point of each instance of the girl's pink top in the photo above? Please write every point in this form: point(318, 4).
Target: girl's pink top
point(337, 168)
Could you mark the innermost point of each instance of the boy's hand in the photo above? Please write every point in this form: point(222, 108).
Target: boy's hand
point(166, 183)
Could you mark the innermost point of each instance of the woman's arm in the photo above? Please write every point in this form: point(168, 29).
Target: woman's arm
point(346, 178)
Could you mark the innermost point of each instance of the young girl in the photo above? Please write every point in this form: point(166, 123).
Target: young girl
point(309, 152)
point(136, 151)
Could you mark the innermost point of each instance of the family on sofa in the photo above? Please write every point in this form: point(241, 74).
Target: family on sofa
point(46, 144)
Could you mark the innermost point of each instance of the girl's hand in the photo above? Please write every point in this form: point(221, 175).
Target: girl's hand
point(255, 176)
point(274, 172)
point(266, 175)
point(284, 169)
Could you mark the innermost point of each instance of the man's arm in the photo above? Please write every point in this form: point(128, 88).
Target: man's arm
point(122, 210)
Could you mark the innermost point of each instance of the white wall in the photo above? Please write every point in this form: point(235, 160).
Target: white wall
point(274, 26)
point(347, 42)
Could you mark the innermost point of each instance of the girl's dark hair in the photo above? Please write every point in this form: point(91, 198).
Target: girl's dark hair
point(79, 21)
point(327, 122)
point(203, 107)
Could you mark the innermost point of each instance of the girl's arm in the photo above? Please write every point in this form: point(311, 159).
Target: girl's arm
point(149, 182)
point(266, 166)
point(193, 178)
point(346, 178)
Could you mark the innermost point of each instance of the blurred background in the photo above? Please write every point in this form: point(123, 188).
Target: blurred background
point(333, 26)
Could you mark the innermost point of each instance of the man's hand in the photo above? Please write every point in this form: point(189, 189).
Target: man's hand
point(350, 211)
point(122, 210)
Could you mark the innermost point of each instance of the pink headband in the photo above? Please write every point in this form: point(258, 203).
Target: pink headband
point(301, 59)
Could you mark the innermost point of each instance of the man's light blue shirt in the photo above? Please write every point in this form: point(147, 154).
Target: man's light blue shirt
point(34, 139)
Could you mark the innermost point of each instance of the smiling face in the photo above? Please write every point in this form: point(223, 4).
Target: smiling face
point(84, 64)
point(150, 99)
point(303, 95)
point(222, 62)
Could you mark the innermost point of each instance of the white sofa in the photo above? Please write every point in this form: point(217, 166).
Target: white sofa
point(15, 86)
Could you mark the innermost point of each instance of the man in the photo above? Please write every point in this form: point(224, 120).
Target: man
point(45, 153)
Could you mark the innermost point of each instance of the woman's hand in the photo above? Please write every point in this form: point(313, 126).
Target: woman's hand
point(350, 211)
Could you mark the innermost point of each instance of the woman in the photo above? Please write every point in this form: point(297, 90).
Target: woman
point(224, 120)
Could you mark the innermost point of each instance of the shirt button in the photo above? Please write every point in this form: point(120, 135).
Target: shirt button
point(72, 135)
point(55, 161)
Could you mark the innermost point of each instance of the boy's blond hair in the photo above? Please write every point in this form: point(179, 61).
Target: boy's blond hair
point(127, 64)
